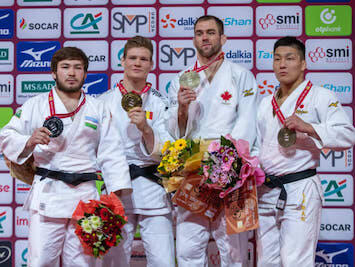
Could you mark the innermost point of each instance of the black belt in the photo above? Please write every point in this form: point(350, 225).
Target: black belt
point(273, 181)
point(148, 172)
point(69, 178)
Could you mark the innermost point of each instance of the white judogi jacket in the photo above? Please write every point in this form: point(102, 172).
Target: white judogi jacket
point(79, 149)
point(148, 197)
point(324, 112)
point(226, 105)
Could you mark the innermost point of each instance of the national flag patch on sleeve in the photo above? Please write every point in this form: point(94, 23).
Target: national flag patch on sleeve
point(91, 122)
point(149, 115)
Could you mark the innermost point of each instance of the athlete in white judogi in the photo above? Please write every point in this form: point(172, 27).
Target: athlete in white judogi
point(224, 102)
point(143, 132)
point(88, 138)
point(290, 218)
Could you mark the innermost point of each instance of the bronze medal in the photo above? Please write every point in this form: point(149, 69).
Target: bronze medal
point(131, 100)
point(54, 125)
point(286, 137)
point(190, 80)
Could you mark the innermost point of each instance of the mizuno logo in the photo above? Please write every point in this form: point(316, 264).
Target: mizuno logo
point(328, 257)
point(5, 16)
point(38, 54)
point(87, 85)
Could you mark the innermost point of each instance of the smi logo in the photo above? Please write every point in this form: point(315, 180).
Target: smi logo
point(86, 23)
point(270, 20)
point(331, 55)
point(168, 21)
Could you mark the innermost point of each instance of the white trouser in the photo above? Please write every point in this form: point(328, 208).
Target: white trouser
point(53, 239)
point(289, 238)
point(158, 241)
point(193, 233)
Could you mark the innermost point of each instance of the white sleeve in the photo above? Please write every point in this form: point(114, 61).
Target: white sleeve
point(245, 125)
point(172, 121)
point(110, 155)
point(334, 129)
point(15, 134)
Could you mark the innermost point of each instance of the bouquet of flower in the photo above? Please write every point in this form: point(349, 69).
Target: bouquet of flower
point(99, 224)
point(175, 156)
point(227, 165)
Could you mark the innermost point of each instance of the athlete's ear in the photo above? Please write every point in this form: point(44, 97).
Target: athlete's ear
point(223, 39)
point(54, 76)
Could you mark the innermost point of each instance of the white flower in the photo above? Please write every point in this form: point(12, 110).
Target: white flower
point(87, 229)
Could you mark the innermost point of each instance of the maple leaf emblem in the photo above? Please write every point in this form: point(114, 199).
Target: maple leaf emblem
point(226, 96)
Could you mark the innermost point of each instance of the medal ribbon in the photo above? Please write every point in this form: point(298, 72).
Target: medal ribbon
point(66, 115)
point(124, 90)
point(196, 69)
point(300, 99)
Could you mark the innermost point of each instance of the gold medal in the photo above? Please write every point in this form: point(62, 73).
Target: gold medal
point(190, 80)
point(131, 100)
point(286, 137)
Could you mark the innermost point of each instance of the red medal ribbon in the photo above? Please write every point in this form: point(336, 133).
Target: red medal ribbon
point(66, 115)
point(300, 99)
point(124, 90)
point(196, 69)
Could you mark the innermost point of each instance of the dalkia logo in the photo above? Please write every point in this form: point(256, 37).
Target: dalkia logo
point(281, 21)
point(239, 56)
point(168, 21)
point(86, 23)
point(331, 55)
point(328, 20)
point(333, 190)
point(36, 86)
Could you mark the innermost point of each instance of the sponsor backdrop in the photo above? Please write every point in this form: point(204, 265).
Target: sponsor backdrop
point(32, 30)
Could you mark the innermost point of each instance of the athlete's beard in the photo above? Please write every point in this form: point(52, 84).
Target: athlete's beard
point(211, 53)
point(63, 88)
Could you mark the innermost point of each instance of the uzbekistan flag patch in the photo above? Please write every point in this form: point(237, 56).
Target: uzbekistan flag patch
point(91, 122)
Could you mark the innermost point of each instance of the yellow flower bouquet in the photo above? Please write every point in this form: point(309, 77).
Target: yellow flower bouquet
point(176, 159)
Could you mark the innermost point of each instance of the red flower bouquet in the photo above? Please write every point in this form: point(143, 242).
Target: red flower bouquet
point(99, 224)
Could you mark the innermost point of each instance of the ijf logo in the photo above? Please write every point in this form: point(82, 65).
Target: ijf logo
point(39, 23)
point(95, 84)
point(35, 56)
point(6, 23)
point(176, 54)
point(6, 89)
point(341, 83)
point(86, 23)
point(328, 20)
point(5, 222)
point(264, 54)
point(279, 20)
point(239, 52)
point(178, 22)
point(96, 51)
point(21, 253)
point(334, 254)
point(338, 189)
point(334, 161)
point(5, 254)
point(128, 22)
point(29, 85)
point(21, 191)
point(333, 54)
point(336, 224)
point(6, 56)
point(238, 21)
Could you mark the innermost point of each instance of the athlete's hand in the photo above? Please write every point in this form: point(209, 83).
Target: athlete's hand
point(40, 136)
point(185, 97)
point(137, 116)
point(296, 123)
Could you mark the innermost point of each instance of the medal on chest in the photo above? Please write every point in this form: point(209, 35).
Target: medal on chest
point(287, 137)
point(54, 123)
point(132, 99)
